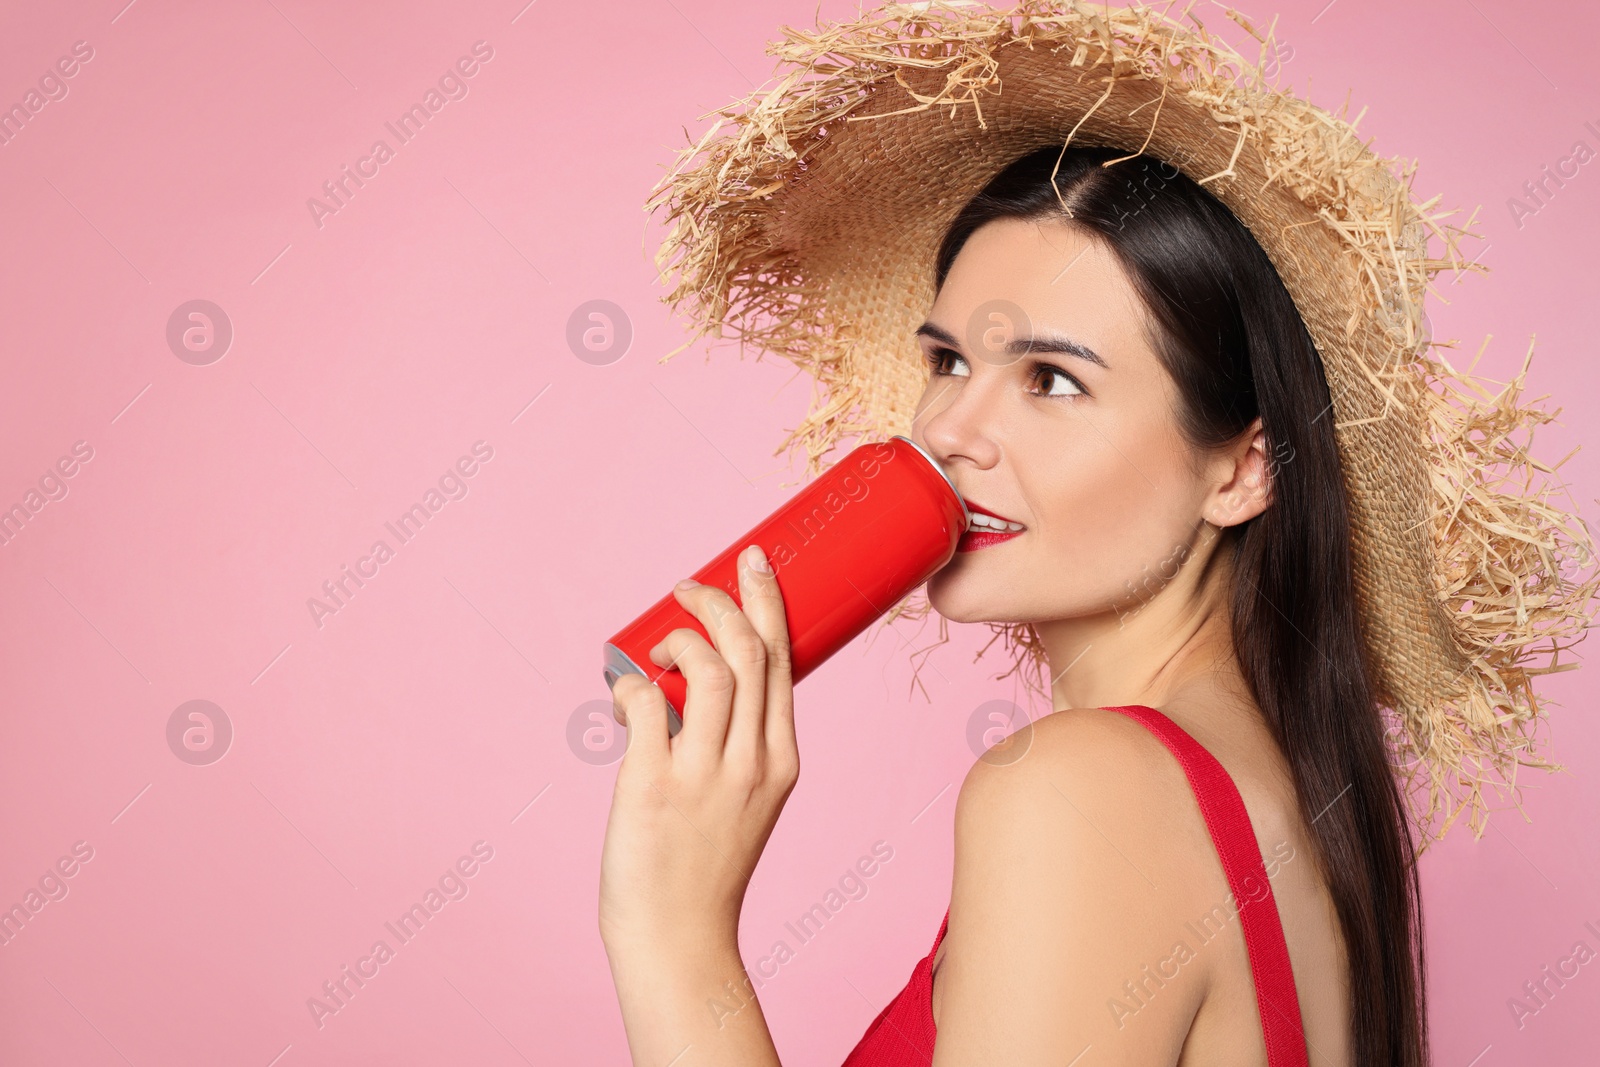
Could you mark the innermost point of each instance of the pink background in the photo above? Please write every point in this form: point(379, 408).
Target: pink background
point(432, 710)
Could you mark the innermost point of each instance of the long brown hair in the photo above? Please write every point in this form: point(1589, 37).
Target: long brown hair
point(1229, 334)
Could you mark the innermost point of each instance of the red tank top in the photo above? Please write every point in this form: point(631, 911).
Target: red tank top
point(903, 1033)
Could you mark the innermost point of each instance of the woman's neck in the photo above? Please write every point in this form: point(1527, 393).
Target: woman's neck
point(1174, 642)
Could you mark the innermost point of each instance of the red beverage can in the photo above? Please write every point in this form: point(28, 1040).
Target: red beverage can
point(845, 549)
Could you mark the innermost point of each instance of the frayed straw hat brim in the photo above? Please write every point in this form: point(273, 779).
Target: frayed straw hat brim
point(805, 223)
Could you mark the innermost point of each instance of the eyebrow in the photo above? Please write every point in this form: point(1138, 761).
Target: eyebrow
point(1022, 346)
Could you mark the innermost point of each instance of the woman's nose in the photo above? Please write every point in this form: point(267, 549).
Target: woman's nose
point(957, 423)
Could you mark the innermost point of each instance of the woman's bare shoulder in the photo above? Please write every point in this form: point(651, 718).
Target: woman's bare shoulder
point(1114, 767)
point(1098, 782)
point(1079, 856)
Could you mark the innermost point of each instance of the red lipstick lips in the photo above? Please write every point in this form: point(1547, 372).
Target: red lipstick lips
point(973, 506)
point(979, 536)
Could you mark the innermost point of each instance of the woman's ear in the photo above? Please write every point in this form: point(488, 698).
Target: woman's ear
point(1243, 480)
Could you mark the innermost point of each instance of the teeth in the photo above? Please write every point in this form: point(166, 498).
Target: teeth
point(988, 522)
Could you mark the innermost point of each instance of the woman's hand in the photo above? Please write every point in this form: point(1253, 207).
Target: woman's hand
point(692, 813)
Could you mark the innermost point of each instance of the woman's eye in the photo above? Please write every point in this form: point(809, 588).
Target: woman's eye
point(938, 357)
point(1060, 377)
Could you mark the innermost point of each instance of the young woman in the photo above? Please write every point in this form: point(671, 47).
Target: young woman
point(1123, 430)
point(1201, 855)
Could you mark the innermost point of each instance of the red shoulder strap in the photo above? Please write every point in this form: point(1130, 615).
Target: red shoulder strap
point(1240, 853)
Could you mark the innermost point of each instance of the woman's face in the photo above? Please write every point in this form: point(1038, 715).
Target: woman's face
point(1079, 444)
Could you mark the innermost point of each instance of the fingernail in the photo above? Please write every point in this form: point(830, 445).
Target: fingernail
point(756, 560)
point(687, 583)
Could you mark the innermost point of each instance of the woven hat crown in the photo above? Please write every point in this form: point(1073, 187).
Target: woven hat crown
point(806, 219)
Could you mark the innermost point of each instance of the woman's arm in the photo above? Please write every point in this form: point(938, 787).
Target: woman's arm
point(690, 1005)
point(689, 819)
point(1076, 868)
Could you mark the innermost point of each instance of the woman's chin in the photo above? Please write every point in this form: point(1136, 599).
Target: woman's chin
point(952, 597)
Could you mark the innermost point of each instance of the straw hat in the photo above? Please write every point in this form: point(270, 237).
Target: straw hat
point(805, 223)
